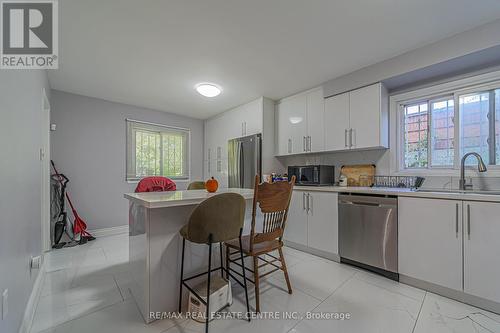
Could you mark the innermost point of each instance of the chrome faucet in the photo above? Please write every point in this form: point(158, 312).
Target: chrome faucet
point(481, 167)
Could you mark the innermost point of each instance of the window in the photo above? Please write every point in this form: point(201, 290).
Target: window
point(429, 133)
point(430, 128)
point(156, 150)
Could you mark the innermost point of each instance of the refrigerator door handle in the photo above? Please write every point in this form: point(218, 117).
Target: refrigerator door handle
point(258, 157)
point(242, 165)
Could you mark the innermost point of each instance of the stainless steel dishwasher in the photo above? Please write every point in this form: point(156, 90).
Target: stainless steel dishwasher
point(368, 233)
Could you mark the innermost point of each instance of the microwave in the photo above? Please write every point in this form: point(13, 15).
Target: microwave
point(315, 175)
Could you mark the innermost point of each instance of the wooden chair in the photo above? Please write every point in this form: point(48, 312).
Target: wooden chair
point(273, 201)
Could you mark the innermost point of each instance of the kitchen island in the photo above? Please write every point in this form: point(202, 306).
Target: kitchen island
point(155, 219)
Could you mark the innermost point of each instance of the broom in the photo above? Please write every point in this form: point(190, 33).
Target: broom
point(79, 225)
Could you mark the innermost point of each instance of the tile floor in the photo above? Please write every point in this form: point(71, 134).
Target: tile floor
point(85, 290)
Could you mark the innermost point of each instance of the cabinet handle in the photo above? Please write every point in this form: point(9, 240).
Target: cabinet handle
point(345, 137)
point(468, 221)
point(307, 207)
point(304, 143)
point(309, 143)
point(245, 126)
point(309, 203)
point(351, 144)
point(303, 200)
point(456, 221)
point(289, 146)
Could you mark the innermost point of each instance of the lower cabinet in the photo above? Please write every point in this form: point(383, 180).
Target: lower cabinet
point(451, 243)
point(482, 249)
point(430, 240)
point(313, 220)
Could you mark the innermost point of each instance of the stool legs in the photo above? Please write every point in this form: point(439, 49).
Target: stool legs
point(182, 273)
point(208, 281)
point(221, 261)
point(244, 276)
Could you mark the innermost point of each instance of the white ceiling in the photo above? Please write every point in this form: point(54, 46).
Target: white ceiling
point(152, 53)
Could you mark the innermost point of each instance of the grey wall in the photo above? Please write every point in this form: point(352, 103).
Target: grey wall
point(338, 159)
point(475, 40)
point(20, 191)
point(89, 147)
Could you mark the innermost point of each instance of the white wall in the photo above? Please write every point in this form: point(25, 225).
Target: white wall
point(20, 186)
point(89, 147)
point(475, 40)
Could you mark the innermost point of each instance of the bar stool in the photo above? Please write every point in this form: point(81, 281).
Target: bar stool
point(216, 220)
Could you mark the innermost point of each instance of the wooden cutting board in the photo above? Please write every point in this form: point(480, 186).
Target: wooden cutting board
point(353, 172)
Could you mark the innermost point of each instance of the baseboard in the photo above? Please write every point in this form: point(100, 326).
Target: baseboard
point(29, 312)
point(316, 252)
point(123, 229)
point(451, 293)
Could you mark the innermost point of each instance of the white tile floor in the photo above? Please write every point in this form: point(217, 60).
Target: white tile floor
point(86, 291)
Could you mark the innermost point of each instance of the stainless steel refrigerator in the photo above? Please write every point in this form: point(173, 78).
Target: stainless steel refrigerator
point(244, 160)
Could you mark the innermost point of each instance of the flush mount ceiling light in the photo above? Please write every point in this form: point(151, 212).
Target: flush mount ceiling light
point(208, 89)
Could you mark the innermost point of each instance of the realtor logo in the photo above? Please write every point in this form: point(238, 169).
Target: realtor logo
point(29, 38)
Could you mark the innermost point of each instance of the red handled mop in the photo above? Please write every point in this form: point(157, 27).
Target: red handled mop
point(79, 225)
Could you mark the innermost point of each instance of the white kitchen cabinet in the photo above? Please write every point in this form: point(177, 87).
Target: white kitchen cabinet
point(368, 119)
point(296, 224)
point(252, 117)
point(313, 220)
point(337, 122)
point(300, 123)
point(247, 119)
point(322, 221)
point(357, 119)
point(292, 127)
point(315, 138)
point(482, 249)
point(430, 240)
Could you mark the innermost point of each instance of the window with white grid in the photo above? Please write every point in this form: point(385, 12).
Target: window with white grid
point(157, 150)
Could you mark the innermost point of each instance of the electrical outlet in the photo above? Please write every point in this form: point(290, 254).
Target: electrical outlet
point(5, 303)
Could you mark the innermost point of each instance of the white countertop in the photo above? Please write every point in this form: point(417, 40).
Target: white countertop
point(403, 192)
point(181, 198)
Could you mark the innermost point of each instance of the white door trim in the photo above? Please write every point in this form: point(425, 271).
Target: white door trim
point(45, 172)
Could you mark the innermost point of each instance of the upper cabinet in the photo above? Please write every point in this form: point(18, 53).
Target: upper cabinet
point(300, 121)
point(353, 120)
point(368, 117)
point(337, 122)
point(248, 119)
point(358, 119)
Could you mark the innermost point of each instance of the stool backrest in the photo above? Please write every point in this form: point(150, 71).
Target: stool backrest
point(221, 215)
point(273, 199)
point(155, 184)
point(196, 185)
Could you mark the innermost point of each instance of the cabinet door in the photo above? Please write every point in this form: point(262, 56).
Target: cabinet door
point(292, 125)
point(364, 116)
point(253, 117)
point(296, 224)
point(337, 122)
point(316, 120)
point(482, 249)
point(430, 240)
point(322, 221)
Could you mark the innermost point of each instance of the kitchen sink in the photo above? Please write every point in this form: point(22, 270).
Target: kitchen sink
point(487, 192)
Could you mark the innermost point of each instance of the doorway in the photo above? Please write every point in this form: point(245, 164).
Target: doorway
point(45, 172)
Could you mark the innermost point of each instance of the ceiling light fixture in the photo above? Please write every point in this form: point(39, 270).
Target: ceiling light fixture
point(208, 89)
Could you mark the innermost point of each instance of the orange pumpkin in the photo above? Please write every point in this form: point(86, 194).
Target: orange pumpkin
point(211, 185)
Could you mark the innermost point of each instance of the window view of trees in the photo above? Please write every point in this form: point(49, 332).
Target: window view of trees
point(157, 151)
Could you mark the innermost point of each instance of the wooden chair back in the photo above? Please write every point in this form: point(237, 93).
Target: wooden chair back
point(273, 200)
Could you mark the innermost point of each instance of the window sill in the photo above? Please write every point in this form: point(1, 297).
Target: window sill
point(493, 171)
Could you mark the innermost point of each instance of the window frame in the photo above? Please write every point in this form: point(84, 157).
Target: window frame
point(455, 88)
point(154, 128)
